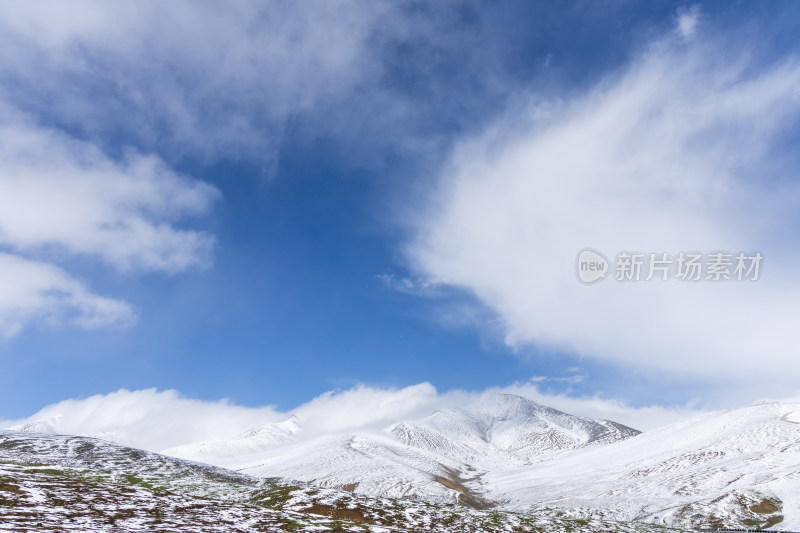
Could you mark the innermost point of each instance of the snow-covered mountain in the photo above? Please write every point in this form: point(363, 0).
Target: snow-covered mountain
point(508, 426)
point(738, 467)
point(432, 458)
point(77, 484)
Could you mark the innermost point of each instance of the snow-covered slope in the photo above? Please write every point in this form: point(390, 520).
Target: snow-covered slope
point(75, 484)
point(431, 458)
point(736, 467)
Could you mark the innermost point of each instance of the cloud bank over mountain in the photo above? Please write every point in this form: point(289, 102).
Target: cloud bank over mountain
point(157, 420)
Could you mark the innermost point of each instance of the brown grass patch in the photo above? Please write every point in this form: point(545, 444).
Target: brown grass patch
point(450, 484)
point(354, 515)
point(765, 507)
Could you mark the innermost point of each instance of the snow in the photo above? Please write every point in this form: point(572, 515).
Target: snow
point(739, 467)
point(63, 483)
point(751, 454)
point(406, 458)
point(526, 456)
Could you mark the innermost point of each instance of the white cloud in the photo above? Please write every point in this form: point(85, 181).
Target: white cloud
point(61, 196)
point(680, 152)
point(687, 22)
point(205, 78)
point(365, 406)
point(33, 290)
point(57, 191)
point(166, 79)
point(157, 420)
point(148, 418)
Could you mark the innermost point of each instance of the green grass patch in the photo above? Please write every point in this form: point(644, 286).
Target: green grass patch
point(273, 498)
point(49, 471)
point(132, 479)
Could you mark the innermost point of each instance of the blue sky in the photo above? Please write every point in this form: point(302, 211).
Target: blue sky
point(278, 201)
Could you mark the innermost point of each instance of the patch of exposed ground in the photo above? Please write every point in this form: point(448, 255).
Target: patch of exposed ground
point(466, 497)
point(342, 514)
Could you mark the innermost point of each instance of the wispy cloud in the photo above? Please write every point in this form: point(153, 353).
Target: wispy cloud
point(559, 379)
point(65, 196)
point(58, 191)
point(418, 285)
point(196, 83)
point(680, 151)
point(99, 100)
point(687, 22)
point(198, 78)
point(31, 290)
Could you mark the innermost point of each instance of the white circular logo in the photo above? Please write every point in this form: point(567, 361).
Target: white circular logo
point(592, 266)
